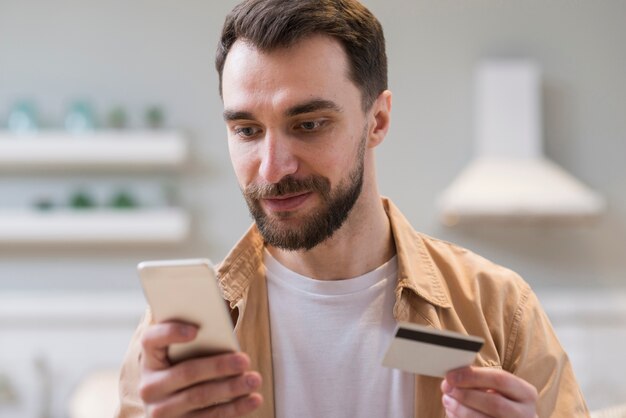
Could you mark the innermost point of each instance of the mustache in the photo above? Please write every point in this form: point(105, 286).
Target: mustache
point(289, 185)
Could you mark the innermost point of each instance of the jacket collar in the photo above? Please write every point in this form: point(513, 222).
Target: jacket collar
point(416, 268)
point(240, 266)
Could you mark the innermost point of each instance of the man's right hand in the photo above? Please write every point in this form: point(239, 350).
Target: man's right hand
point(213, 386)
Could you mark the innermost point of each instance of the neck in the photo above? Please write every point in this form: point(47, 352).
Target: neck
point(363, 243)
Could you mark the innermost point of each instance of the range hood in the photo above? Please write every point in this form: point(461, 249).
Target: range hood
point(510, 179)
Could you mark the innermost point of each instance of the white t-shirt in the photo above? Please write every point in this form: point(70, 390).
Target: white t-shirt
point(328, 342)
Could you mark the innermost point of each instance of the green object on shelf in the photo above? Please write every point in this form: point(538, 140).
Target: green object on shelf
point(80, 118)
point(23, 118)
point(118, 118)
point(81, 200)
point(43, 204)
point(123, 200)
point(155, 117)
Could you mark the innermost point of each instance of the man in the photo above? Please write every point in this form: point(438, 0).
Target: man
point(317, 284)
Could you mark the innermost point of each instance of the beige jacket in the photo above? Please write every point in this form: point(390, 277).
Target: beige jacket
point(440, 285)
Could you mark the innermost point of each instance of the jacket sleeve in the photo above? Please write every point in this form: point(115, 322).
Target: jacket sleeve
point(535, 354)
point(130, 405)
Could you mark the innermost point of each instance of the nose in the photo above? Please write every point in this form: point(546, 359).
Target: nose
point(277, 158)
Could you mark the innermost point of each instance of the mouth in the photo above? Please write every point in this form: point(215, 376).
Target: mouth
point(287, 202)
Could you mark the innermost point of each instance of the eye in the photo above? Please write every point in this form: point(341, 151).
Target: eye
point(246, 132)
point(311, 125)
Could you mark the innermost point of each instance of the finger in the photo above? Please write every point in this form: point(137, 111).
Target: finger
point(158, 337)
point(509, 385)
point(454, 409)
point(156, 386)
point(238, 407)
point(490, 403)
point(207, 395)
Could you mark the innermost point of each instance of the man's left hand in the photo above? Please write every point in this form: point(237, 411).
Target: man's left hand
point(480, 392)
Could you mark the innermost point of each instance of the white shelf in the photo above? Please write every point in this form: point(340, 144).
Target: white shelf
point(37, 308)
point(58, 150)
point(94, 226)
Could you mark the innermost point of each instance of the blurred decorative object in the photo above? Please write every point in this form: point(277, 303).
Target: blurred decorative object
point(96, 396)
point(155, 117)
point(509, 179)
point(118, 119)
point(81, 200)
point(23, 118)
point(618, 411)
point(80, 118)
point(123, 200)
point(7, 391)
point(46, 386)
point(43, 203)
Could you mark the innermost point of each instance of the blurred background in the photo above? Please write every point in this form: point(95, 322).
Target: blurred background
point(113, 151)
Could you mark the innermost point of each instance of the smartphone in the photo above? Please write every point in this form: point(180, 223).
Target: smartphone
point(187, 291)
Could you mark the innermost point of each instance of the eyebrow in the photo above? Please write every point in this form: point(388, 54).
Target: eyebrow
point(306, 107)
point(312, 106)
point(236, 115)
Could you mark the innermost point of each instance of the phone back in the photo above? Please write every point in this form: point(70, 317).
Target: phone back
point(187, 291)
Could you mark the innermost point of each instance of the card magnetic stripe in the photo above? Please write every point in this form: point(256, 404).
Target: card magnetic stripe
point(440, 340)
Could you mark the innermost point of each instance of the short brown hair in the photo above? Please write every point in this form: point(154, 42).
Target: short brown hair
point(273, 24)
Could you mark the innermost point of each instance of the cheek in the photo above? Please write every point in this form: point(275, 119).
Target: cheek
point(243, 161)
point(330, 153)
point(335, 166)
point(341, 158)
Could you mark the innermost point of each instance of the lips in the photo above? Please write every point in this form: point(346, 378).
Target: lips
point(286, 202)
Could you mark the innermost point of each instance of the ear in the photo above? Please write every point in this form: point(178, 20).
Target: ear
point(380, 119)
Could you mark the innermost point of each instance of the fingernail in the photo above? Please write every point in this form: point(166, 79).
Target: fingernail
point(254, 401)
point(449, 402)
point(238, 362)
point(186, 331)
point(252, 381)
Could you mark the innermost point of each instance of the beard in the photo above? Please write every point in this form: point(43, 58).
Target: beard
point(315, 227)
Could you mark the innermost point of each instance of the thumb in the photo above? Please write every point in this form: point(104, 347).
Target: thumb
point(158, 337)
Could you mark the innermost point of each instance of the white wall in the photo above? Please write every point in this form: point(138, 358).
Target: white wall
point(142, 52)
point(433, 46)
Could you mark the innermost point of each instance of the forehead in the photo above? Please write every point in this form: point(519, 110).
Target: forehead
point(316, 66)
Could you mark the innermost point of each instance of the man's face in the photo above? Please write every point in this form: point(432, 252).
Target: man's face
point(297, 138)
